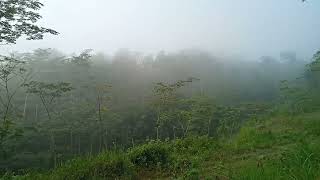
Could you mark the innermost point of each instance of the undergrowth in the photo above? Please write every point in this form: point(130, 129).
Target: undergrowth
point(275, 148)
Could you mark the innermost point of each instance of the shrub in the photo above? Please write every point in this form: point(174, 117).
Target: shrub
point(112, 166)
point(251, 138)
point(194, 145)
point(150, 155)
point(109, 165)
point(190, 152)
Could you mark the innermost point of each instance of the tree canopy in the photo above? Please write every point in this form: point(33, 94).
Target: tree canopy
point(18, 18)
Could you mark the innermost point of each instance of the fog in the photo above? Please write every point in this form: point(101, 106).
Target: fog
point(159, 89)
point(244, 28)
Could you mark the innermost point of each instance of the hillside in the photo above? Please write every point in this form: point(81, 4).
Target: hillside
point(277, 147)
point(159, 90)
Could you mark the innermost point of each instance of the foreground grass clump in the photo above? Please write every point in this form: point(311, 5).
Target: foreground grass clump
point(110, 165)
point(302, 162)
point(253, 138)
point(176, 158)
point(190, 152)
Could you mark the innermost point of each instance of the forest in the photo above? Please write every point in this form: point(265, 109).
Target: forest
point(185, 114)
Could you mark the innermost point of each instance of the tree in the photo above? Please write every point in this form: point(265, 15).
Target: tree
point(102, 90)
point(18, 18)
point(48, 93)
point(202, 110)
point(83, 59)
point(165, 98)
point(13, 75)
point(312, 71)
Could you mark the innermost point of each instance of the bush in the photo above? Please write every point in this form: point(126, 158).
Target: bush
point(109, 165)
point(151, 155)
point(251, 138)
point(8, 176)
point(190, 152)
point(116, 165)
point(194, 145)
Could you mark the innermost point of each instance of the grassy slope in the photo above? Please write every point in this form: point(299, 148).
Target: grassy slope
point(275, 148)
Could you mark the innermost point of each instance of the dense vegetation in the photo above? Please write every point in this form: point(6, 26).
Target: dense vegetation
point(184, 115)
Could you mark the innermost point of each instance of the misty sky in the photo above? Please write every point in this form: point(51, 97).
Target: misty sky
point(250, 28)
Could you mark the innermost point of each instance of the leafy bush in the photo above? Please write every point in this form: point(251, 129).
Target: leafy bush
point(109, 165)
point(190, 152)
point(251, 137)
point(8, 176)
point(150, 155)
point(194, 145)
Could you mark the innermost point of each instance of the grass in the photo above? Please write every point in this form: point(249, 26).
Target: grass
point(276, 148)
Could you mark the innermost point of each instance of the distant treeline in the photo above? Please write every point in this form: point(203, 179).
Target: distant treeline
point(63, 105)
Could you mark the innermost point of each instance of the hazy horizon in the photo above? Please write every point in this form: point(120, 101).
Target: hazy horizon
point(247, 29)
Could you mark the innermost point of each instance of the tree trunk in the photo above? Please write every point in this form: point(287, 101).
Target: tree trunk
point(105, 140)
point(91, 145)
point(79, 145)
point(157, 132)
point(52, 149)
point(132, 142)
point(25, 106)
point(209, 124)
point(36, 118)
point(158, 123)
point(100, 143)
point(71, 141)
point(174, 132)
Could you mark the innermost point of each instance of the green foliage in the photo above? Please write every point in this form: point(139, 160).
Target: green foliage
point(84, 59)
point(295, 99)
point(49, 90)
point(94, 117)
point(229, 121)
point(165, 104)
point(13, 75)
point(192, 174)
point(194, 145)
point(110, 165)
point(8, 132)
point(301, 162)
point(188, 153)
point(153, 154)
point(261, 173)
point(252, 138)
point(18, 18)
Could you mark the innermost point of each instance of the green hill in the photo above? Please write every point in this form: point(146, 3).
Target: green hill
point(277, 147)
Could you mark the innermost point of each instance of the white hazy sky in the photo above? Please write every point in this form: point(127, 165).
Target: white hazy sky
point(239, 27)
